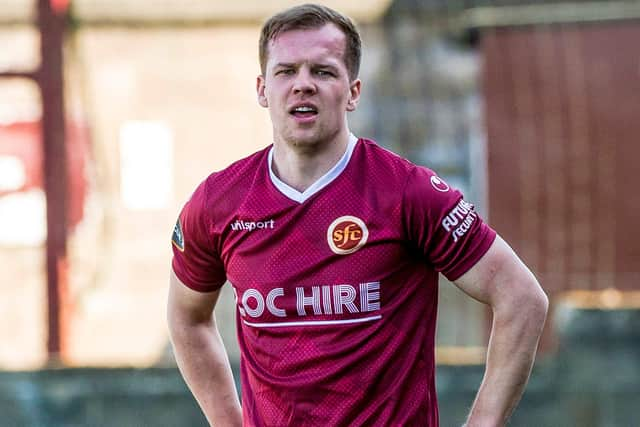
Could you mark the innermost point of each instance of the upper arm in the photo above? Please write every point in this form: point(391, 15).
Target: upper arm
point(500, 278)
point(186, 305)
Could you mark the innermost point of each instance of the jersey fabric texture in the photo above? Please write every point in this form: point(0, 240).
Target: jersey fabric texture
point(336, 288)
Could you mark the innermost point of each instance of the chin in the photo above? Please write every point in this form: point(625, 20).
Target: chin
point(305, 141)
point(301, 140)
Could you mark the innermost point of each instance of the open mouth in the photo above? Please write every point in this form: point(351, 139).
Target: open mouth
point(304, 111)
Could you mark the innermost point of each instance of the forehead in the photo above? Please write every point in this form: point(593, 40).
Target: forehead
point(326, 43)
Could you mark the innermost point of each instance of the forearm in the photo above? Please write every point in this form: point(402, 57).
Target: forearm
point(204, 364)
point(510, 356)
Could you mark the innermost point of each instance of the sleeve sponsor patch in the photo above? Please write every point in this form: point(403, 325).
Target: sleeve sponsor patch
point(178, 237)
point(459, 220)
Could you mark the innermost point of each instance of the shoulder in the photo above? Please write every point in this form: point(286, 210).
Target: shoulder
point(379, 165)
point(236, 177)
point(375, 153)
point(420, 187)
point(222, 189)
point(239, 170)
point(416, 177)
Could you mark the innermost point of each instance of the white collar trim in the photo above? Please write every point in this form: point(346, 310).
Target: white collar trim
point(322, 182)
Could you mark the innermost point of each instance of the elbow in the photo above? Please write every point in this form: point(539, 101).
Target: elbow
point(540, 310)
point(526, 306)
point(534, 307)
point(544, 303)
point(540, 303)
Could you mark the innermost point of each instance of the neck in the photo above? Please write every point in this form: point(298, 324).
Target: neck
point(300, 167)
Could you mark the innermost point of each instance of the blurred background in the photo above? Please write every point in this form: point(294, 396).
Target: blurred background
point(112, 112)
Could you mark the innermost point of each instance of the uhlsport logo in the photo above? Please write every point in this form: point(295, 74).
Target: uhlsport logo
point(241, 225)
point(347, 234)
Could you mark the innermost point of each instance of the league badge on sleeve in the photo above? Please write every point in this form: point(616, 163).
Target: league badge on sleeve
point(178, 238)
point(439, 184)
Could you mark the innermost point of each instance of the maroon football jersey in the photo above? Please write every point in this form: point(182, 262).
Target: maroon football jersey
point(336, 287)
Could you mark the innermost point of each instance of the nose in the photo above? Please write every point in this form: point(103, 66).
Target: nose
point(304, 84)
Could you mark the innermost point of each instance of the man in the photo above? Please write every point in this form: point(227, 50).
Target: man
point(332, 246)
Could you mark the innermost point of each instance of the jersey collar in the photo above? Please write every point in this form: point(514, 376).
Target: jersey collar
point(322, 182)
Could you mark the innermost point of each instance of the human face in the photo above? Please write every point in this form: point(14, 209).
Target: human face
point(307, 89)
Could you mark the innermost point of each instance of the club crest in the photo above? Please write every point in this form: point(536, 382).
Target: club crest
point(347, 234)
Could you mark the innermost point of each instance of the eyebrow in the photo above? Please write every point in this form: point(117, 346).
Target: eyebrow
point(328, 66)
point(313, 65)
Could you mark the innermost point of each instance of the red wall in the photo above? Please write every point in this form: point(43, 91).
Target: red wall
point(22, 140)
point(563, 122)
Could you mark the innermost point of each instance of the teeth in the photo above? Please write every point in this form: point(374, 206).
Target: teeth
point(304, 109)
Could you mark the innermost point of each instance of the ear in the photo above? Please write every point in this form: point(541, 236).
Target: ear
point(354, 95)
point(260, 87)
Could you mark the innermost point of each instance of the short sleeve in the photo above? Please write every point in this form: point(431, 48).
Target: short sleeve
point(195, 259)
point(443, 227)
